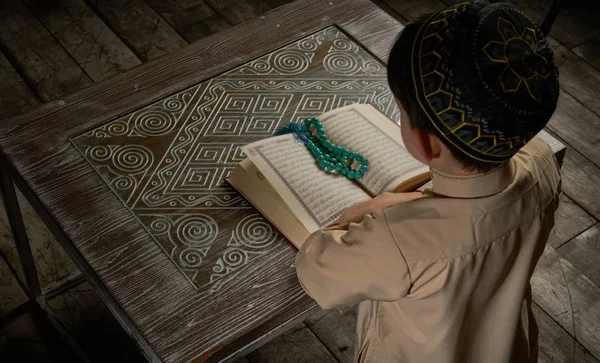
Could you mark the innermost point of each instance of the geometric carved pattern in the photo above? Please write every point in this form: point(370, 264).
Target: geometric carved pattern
point(167, 162)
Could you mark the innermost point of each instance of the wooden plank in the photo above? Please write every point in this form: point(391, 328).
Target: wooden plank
point(235, 12)
point(570, 221)
point(561, 53)
point(83, 315)
point(192, 19)
point(52, 263)
point(38, 57)
point(138, 26)
point(413, 9)
point(555, 344)
point(21, 341)
point(575, 24)
point(580, 182)
point(28, 336)
point(569, 297)
point(573, 122)
point(264, 334)
point(584, 252)
point(590, 51)
point(157, 305)
point(336, 329)
point(15, 95)
point(87, 39)
point(299, 345)
point(277, 3)
point(12, 295)
point(582, 81)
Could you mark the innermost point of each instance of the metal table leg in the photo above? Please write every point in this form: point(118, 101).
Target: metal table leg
point(15, 219)
point(551, 17)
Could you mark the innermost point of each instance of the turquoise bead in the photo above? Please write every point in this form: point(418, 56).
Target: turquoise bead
point(328, 155)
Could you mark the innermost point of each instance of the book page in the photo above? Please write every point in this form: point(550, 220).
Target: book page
point(363, 129)
point(317, 198)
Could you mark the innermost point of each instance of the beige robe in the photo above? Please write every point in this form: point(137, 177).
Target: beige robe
point(445, 277)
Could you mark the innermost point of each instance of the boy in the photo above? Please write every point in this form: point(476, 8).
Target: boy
point(444, 276)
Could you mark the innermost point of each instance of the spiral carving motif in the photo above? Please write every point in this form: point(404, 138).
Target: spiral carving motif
point(258, 66)
point(118, 128)
point(197, 230)
point(123, 182)
point(153, 122)
point(174, 104)
point(341, 63)
point(160, 225)
point(290, 62)
point(343, 44)
point(372, 66)
point(308, 44)
point(100, 153)
point(133, 158)
point(235, 257)
point(254, 232)
point(190, 258)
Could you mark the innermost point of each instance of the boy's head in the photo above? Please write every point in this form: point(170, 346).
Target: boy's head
point(475, 81)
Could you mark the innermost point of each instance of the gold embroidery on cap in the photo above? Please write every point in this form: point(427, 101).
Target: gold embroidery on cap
point(431, 78)
point(517, 73)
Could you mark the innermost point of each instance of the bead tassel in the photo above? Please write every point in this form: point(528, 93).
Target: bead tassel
point(330, 157)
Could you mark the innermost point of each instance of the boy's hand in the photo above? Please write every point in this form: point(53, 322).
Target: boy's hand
point(356, 213)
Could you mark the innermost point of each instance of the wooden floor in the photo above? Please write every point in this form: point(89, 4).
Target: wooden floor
point(49, 49)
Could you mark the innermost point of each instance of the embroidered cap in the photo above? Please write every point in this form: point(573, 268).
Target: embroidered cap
point(485, 76)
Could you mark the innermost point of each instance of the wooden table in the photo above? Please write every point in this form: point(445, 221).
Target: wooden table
point(128, 173)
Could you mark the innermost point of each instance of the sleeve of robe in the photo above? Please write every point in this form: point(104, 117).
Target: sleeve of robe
point(338, 267)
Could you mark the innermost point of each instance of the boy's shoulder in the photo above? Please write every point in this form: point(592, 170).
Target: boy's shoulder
point(423, 227)
point(437, 226)
point(537, 148)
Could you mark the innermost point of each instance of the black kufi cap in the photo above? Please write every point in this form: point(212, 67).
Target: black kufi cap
point(486, 78)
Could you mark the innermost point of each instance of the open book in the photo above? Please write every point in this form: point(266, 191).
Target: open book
point(282, 180)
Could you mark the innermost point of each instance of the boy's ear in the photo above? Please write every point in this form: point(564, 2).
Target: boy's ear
point(428, 145)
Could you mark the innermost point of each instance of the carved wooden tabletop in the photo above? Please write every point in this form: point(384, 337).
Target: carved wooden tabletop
point(167, 161)
point(128, 173)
